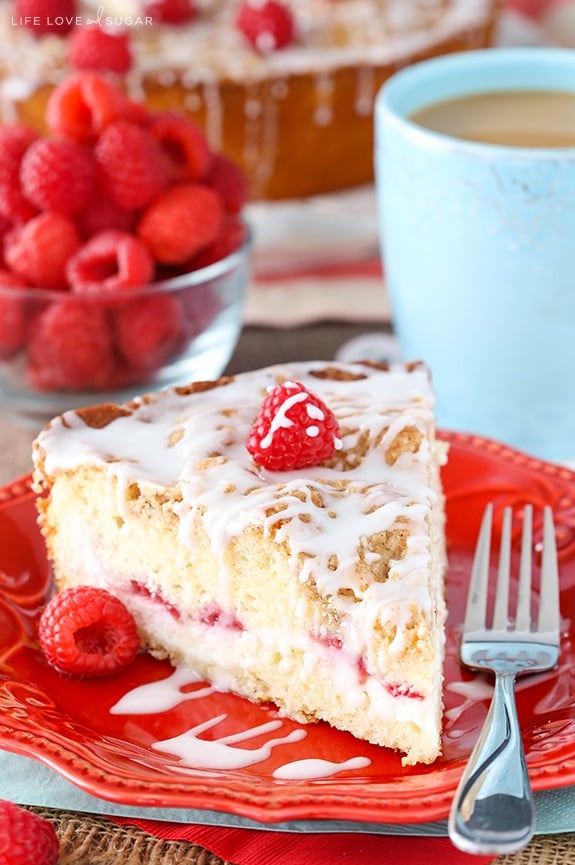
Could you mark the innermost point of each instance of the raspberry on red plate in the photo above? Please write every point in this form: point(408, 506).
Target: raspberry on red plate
point(133, 167)
point(184, 143)
point(170, 11)
point(58, 174)
point(294, 429)
point(87, 631)
point(182, 220)
point(43, 17)
point(93, 47)
point(39, 251)
point(26, 838)
point(148, 331)
point(108, 263)
point(15, 140)
point(268, 25)
point(82, 105)
point(70, 347)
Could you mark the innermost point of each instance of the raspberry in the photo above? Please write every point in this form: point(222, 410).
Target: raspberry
point(200, 305)
point(133, 168)
point(45, 16)
point(93, 47)
point(148, 331)
point(231, 237)
point(227, 179)
point(294, 429)
point(5, 225)
point(267, 25)
point(170, 11)
point(112, 261)
point(180, 222)
point(102, 215)
point(58, 174)
point(70, 347)
point(136, 112)
point(26, 838)
point(184, 143)
point(83, 105)
point(12, 315)
point(39, 250)
point(87, 631)
point(14, 142)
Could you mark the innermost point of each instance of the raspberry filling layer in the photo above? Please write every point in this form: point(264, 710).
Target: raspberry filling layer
point(395, 689)
point(140, 589)
point(212, 614)
point(402, 689)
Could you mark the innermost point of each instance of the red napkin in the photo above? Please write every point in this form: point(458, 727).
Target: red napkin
point(258, 847)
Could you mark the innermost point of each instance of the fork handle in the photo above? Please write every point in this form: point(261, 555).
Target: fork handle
point(493, 809)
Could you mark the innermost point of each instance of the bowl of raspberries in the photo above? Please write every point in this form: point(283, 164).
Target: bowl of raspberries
point(125, 256)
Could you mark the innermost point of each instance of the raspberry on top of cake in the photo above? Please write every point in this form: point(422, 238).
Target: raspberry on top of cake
point(318, 587)
point(286, 88)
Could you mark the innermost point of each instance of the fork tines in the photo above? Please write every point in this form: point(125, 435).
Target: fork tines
point(547, 621)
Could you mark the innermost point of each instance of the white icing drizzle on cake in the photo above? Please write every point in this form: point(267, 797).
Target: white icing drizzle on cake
point(197, 443)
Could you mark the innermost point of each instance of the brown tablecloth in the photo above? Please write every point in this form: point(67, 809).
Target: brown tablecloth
point(93, 840)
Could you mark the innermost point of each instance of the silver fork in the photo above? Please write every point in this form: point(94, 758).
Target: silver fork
point(493, 809)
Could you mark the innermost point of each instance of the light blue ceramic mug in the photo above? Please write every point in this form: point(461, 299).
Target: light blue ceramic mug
point(478, 244)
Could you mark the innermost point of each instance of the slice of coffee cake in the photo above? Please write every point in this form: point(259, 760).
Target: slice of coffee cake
point(319, 589)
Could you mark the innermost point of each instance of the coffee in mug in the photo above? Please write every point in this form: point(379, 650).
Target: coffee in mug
point(510, 118)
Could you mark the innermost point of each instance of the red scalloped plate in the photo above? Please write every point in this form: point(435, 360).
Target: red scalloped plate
point(67, 725)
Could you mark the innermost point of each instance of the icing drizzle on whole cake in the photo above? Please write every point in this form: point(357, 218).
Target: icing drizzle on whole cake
point(203, 56)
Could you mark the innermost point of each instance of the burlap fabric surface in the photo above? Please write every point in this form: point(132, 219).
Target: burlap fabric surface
point(88, 840)
point(93, 840)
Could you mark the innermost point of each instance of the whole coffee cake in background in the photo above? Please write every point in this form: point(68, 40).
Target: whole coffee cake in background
point(281, 532)
point(284, 88)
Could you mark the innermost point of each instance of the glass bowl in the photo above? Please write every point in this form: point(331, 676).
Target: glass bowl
point(60, 351)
